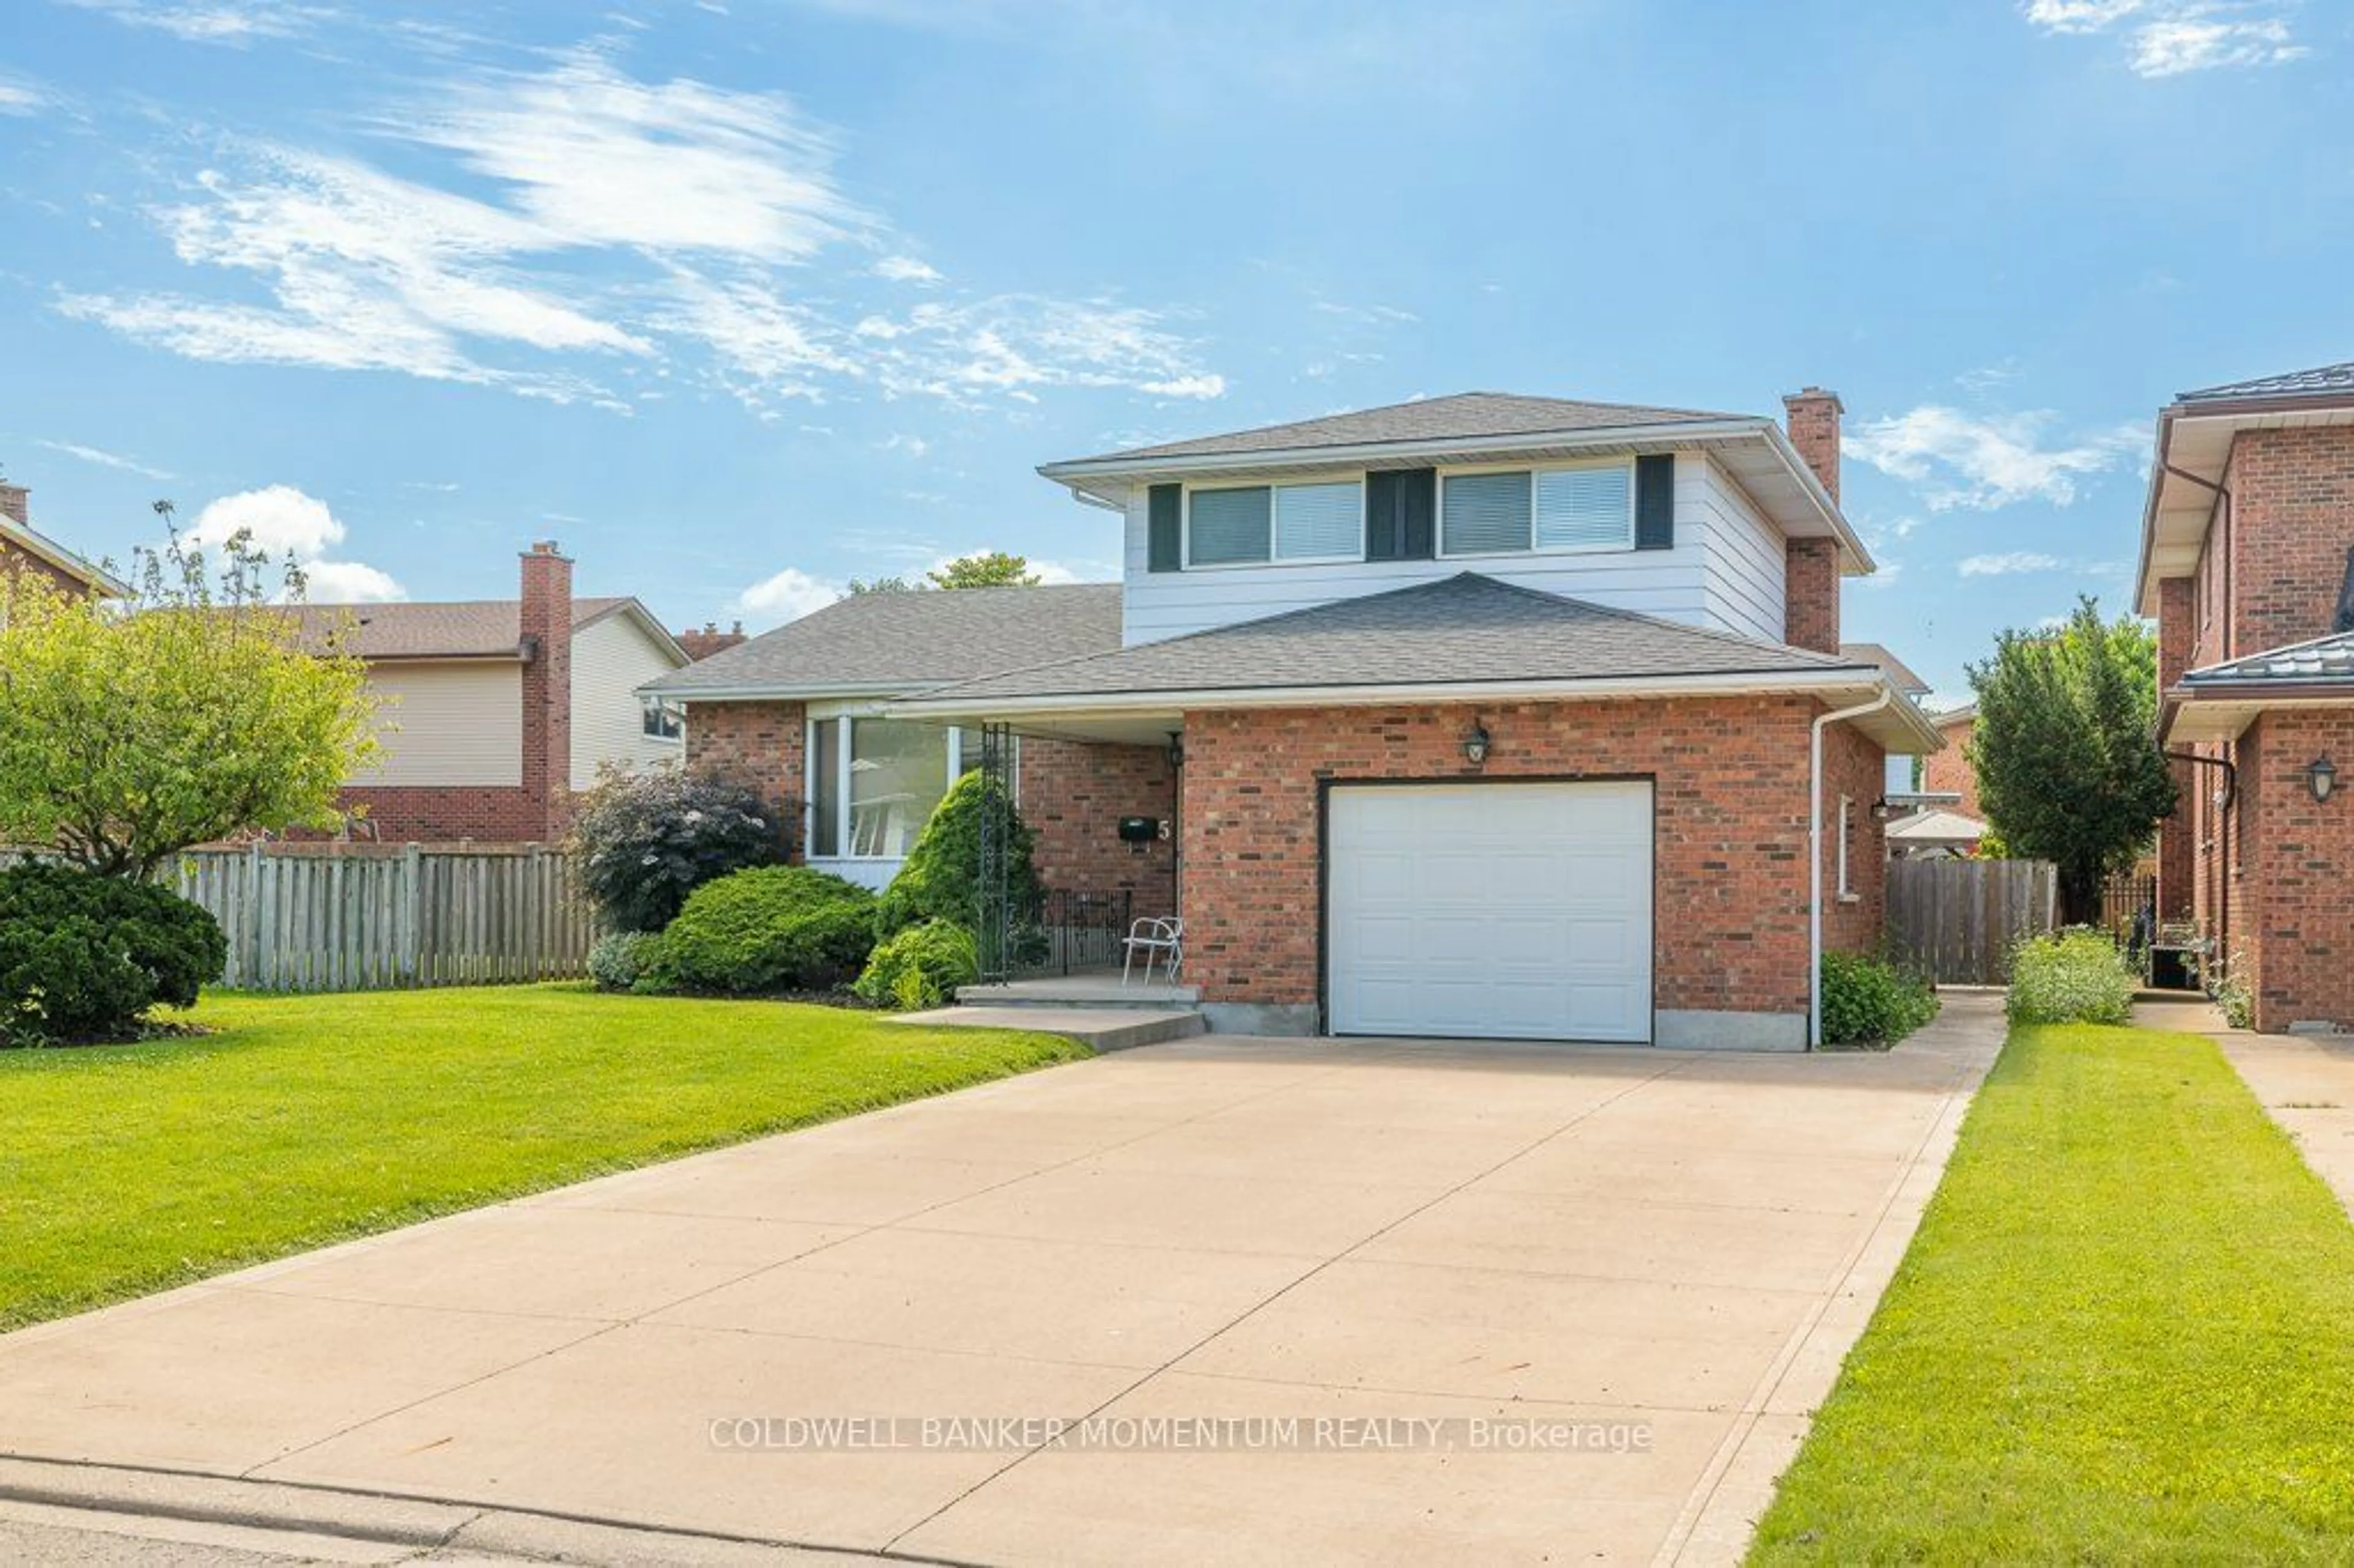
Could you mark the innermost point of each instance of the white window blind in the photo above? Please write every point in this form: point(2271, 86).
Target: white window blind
point(1318, 520)
point(1227, 525)
point(1583, 507)
point(1485, 512)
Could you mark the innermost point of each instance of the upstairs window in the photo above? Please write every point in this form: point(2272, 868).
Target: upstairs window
point(1252, 523)
point(1518, 511)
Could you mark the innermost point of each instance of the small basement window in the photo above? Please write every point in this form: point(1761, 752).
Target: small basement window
point(1252, 523)
point(1524, 511)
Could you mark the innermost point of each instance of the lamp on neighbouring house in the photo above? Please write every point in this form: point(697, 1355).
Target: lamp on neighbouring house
point(1474, 744)
point(1880, 809)
point(2321, 777)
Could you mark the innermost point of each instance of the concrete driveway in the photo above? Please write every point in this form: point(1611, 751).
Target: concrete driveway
point(1639, 1269)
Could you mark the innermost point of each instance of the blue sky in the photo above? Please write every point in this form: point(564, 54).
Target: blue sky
point(740, 300)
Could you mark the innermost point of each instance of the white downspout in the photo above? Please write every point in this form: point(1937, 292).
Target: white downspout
point(1815, 858)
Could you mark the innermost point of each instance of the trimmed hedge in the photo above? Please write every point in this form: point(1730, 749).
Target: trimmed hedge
point(1867, 1000)
point(920, 967)
point(2072, 977)
point(84, 957)
point(773, 928)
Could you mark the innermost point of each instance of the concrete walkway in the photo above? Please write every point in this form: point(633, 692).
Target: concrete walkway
point(1640, 1268)
point(2305, 1082)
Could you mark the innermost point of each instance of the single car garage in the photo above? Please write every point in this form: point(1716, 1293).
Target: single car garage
point(1517, 910)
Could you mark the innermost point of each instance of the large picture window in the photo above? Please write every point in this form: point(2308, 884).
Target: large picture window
point(875, 782)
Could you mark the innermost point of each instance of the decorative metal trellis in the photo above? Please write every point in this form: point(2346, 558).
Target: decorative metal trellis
point(993, 922)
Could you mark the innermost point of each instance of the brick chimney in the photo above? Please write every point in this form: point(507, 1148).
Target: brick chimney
point(13, 505)
point(547, 689)
point(700, 644)
point(1810, 567)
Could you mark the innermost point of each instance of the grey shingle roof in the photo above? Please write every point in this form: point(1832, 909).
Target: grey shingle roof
point(2322, 659)
point(1463, 629)
point(2328, 380)
point(913, 641)
point(1900, 673)
point(467, 629)
point(1462, 416)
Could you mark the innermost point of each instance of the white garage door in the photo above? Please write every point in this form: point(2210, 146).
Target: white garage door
point(1518, 911)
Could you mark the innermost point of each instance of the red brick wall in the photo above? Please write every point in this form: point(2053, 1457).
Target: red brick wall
point(1810, 594)
point(1812, 418)
point(2293, 521)
point(15, 563)
point(1731, 794)
point(2292, 919)
point(547, 617)
point(1855, 765)
point(422, 813)
point(1073, 795)
point(1950, 772)
point(2177, 632)
point(760, 744)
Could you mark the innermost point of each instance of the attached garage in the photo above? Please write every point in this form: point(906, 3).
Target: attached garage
point(1490, 910)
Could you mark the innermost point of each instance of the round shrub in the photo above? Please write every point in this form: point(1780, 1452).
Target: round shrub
point(2071, 977)
point(646, 841)
point(1867, 1000)
point(82, 957)
point(920, 967)
point(776, 928)
point(616, 960)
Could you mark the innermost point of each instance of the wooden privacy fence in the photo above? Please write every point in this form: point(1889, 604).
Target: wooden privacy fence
point(1956, 920)
point(343, 921)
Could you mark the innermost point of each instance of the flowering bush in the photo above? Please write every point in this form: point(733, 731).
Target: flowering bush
point(2072, 977)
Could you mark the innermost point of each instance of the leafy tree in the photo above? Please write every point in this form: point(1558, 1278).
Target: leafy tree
point(646, 841)
point(192, 711)
point(885, 585)
point(988, 568)
point(2067, 766)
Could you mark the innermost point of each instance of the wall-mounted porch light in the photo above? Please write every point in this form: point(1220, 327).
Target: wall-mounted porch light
point(1176, 748)
point(1474, 744)
point(1880, 809)
point(2321, 778)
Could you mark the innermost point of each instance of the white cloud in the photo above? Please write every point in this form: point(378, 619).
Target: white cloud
point(788, 596)
point(20, 97)
point(913, 446)
point(104, 459)
point(2011, 564)
point(212, 21)
point(1983, 461)
point(606, 223)
point(283, 522)
point(2172, 37)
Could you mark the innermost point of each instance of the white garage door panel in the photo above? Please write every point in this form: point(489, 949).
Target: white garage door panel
point(1514, 910)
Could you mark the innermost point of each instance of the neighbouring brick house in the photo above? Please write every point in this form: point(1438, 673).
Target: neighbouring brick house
point(499, 711)
point(26, 550)
point(1479, 715)
point(1948, 772)
point(2247, 562)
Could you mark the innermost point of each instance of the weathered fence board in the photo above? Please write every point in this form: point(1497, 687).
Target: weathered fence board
point(305, 921)
point(1956, 920)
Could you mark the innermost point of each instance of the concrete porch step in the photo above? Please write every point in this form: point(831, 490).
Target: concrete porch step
point(1090, 990)
point(1101, 1028)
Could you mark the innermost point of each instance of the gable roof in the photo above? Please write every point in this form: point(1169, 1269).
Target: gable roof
point(1899, 674)
point(890, 643)
point(1466, 634)
point(1463, 416)
point(2325, 381)
point(461, 629)
point(24, 537)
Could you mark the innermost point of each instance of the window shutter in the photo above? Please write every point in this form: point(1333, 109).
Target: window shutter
point(1399, 504)
point(1164, 548)
point(1654, 502)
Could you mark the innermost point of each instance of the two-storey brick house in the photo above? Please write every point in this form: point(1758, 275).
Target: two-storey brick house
point(1483, 715)
point(2247, 562)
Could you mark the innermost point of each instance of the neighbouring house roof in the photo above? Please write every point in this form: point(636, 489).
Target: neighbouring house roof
point(1486, 427)
point(1463, 416)
point(41, 547)
point(2327, 380)
point(1932, 829)
point(892, 644)
point(1466, 635)
point(2216, 702)
point(2195, 433)
point(468, 628)
point(1899, 674)
point(1967, 714)
point(2321, 659)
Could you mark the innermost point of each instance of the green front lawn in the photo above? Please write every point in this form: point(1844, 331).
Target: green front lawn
point(2124, 1334)
point(311, 1119)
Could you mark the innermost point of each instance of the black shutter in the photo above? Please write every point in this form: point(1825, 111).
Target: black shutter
point(1654, 502)
point(1399, 506)
point(1164, 546)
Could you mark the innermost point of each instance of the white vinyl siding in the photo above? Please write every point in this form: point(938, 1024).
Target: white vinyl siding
point(1253, 525)
point(1724, 571)
point(453, 723)
point(612, 658)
